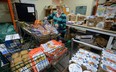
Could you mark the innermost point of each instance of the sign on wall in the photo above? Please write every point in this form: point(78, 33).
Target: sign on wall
point(81, 10)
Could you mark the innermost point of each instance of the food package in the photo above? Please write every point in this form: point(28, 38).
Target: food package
point(101, 41)
point(42, 30)
point(38, 28)
point(50, 45)
point(108, 24)
point(21, 62)
point(100, 19)
point(3, 49)
point(100, 25)
point(36, 32)
point(88, 59)
point(53, 49)
point(81, 18)
point(91, 22)
point(108, 61)
point(51, 29)
point(38, 59)
point(37, 22)
point(15, 55)
point(23, 52)
point(75, 68)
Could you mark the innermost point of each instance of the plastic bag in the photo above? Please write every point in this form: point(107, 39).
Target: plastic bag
point(6, 29)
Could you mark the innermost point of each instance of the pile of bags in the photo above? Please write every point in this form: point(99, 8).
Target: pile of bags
point(41, 28)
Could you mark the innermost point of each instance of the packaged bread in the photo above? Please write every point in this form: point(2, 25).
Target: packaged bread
point(26, 56)
point(28, 65)
point(45, 32)
point(15, 55)
point(12, 67)
point(16, 60)
point(26, 61)
point(37, 22)
point(24, 52)
point(40, 27)
point(19, 65)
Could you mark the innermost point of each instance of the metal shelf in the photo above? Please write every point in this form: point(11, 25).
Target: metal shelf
point(93, 46)
point(85, 28)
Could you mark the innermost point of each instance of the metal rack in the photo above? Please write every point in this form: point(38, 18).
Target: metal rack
point(86, 44)
point(85, 28)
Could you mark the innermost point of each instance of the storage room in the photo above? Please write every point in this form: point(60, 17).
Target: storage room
point(57, 35)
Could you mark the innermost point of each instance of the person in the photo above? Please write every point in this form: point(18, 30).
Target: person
point(59, 20)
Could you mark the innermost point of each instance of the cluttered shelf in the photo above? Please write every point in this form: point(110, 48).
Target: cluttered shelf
point(95, 29)
point(85, 28)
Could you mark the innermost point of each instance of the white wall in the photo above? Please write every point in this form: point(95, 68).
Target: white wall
point(102, 1)
point(89, 3)
point(73, 3)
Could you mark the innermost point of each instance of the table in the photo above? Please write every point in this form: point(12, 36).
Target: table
point(110, 33)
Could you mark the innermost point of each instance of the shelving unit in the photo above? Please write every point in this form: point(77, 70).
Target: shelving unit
point(83, 28)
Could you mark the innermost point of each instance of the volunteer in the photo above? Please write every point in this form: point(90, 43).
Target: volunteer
point(59, 20)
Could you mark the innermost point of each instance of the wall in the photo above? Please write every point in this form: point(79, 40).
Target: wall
point(4, 12)
point(89, 3)
point(73, 3)
point(102, 1)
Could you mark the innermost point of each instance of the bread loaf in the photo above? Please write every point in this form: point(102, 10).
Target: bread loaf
point(17, 60)
point(24, 52)
point(15, 55)
point(26, 56)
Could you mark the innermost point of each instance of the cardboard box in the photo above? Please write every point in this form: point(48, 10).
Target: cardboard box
point(91, 22)
point(72, 17)
point(80, 18)
point(108, 25)
point(100, 19)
